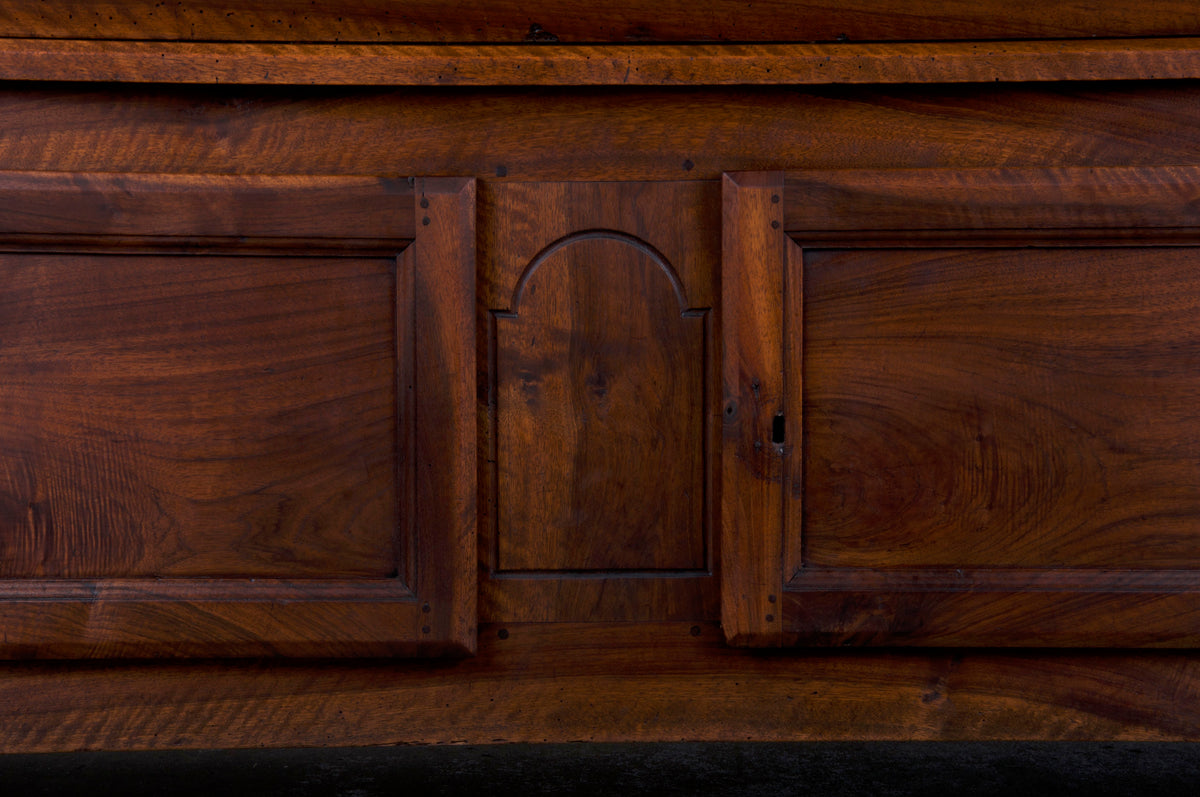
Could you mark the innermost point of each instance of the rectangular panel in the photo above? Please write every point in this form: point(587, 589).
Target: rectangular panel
point(197, 416)
point(1015, 408)
point(217, 444)
point(997, 372)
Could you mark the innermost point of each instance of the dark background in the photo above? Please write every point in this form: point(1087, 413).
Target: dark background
point(970, 769)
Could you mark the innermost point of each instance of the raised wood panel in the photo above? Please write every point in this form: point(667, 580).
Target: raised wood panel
point(997, 382)
point(540, 21)
point(167, 416)
point(599, 386)
point(600, 413)
point(210, 434)
point(1015, 408)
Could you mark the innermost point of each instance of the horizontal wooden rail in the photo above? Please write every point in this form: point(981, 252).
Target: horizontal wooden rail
point(578, 21)
point(597, 65)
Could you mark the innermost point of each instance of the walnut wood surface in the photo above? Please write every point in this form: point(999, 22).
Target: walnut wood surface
point(604, 682)
point(1097, 199)
point(200, 451)
point(443, 421)
point(644, 134)
point(600, 380)
point(1002, 408)
point(597, 681)
point(600, 412)
point(754, 257)
point(598, 65)
point(194, 209)
point(999, 441)
point(158, 423)
point(617, 21)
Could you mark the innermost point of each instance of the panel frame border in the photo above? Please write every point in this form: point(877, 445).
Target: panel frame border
point(429, 607)
point(935, 207)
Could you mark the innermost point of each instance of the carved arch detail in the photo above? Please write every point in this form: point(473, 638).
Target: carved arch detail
point(600, 369)
point(642, 246)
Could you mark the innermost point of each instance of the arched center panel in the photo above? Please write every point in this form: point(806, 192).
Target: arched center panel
point(600, 384)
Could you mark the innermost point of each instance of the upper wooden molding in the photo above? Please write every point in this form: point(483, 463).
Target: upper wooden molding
point(411, 21)
point(597, 65)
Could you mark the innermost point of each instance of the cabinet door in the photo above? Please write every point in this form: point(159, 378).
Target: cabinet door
point(236, 416)
point(962, 407)
point(597, 335)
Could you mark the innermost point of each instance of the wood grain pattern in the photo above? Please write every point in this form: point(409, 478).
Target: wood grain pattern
point(598, 65)
point(753, 260)
point(193, 209)
point(1021, 608)
point(200, 416)
point(599, 386)
point(644, 134)
point(444, 429)
point(1100, 198)
point(598, 681)
point(617, 21)
point(1000, 442)
point(1003, 408)
point(200, 451)
point(600, 411)
point(604, 682)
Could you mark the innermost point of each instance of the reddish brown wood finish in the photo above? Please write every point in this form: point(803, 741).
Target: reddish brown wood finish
point(190, 209)
point(600, 412)
point(202, 453)
point(623, 680)
point(598, 65)
point(999, 443)
point(602, 682)
point(442, 396)
point(600, 385)
point(994, 203)
point(145, 430)
point(643, 134)
point(753, 260)
point(618, 21)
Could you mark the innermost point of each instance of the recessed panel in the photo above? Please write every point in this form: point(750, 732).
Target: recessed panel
point(186, 416)
point(1001, 408)
point(600, 414)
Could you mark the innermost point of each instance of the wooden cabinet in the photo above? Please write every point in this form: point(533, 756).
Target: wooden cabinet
point(368, 379)
point(956, 409)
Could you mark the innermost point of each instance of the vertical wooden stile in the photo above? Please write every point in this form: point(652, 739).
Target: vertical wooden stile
point(444, 294)
point(753, 257)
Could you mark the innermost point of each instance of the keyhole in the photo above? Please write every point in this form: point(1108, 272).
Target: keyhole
point(778, 430)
